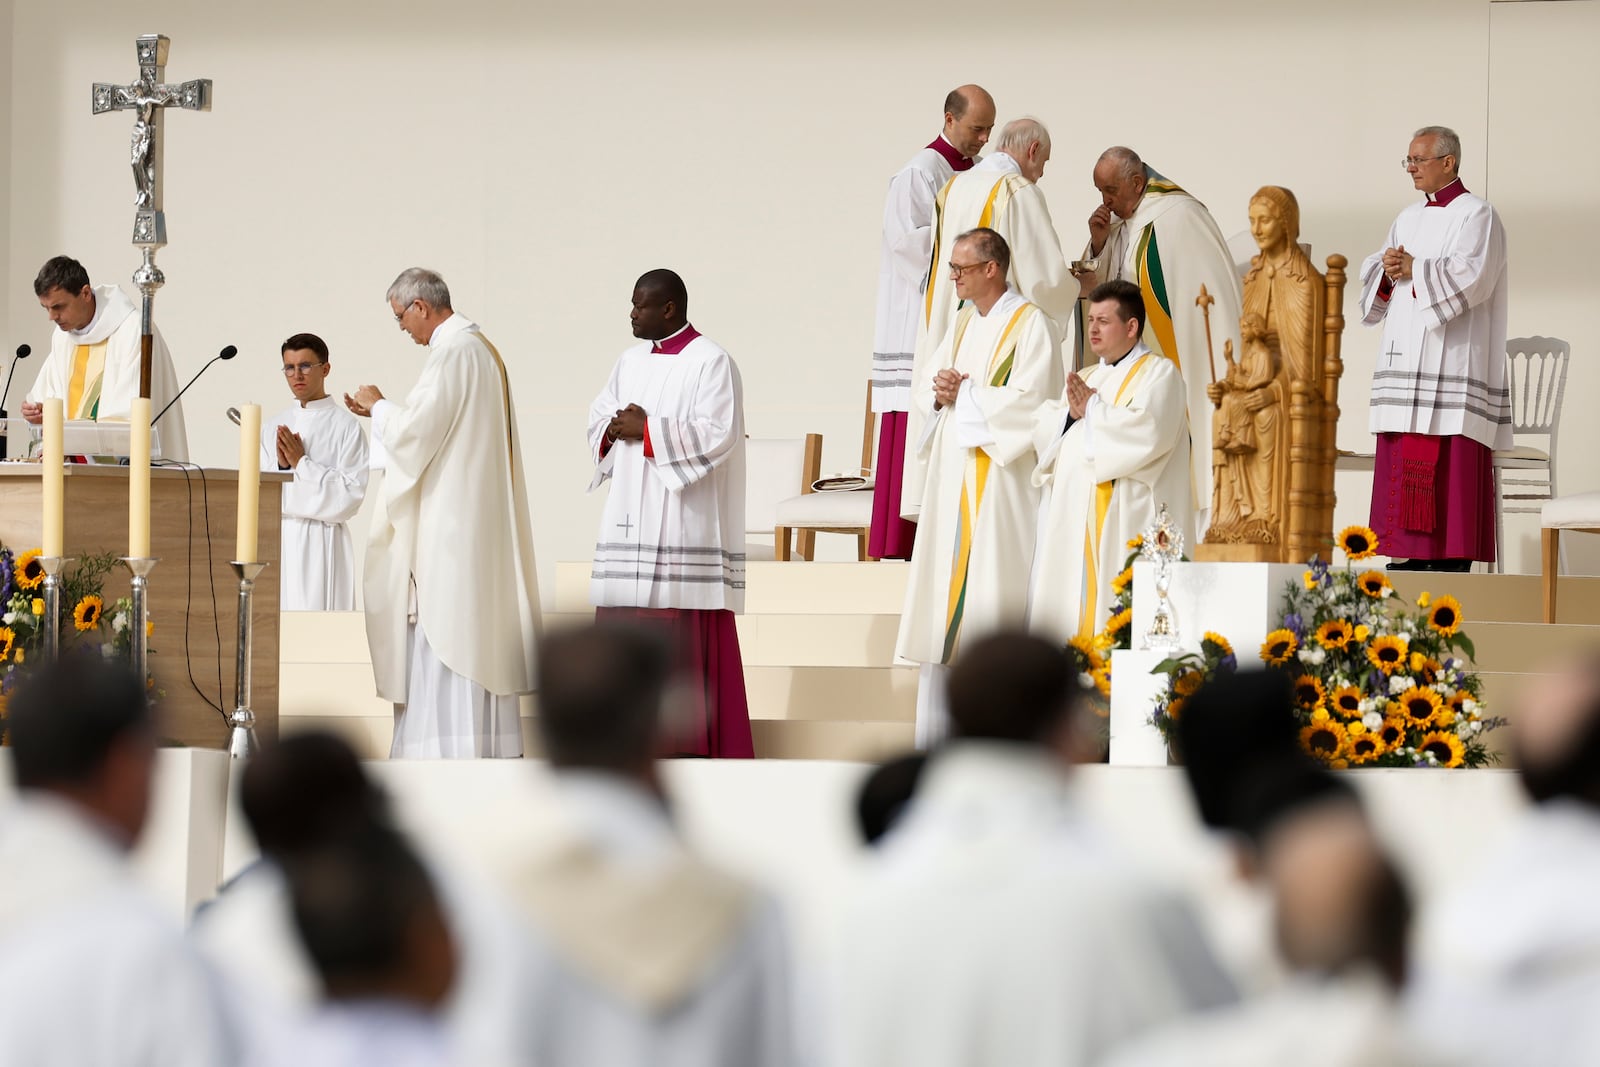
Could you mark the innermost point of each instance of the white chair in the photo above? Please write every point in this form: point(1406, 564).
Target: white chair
point(812, 513)
point(1536, 373)
point(775, 468)
point(1579, 512)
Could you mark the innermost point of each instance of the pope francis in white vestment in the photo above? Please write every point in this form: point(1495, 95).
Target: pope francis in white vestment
point(451, 595)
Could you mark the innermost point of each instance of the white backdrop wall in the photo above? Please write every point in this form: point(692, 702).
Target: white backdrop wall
point(542, 158)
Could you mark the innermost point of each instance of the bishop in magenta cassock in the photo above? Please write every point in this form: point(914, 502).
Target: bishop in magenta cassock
point(668, 432)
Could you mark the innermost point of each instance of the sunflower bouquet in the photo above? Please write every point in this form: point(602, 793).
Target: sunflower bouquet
point(1092, 655)
point(1186, 674)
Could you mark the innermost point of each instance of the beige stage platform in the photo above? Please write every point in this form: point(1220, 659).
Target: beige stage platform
point(818, 644)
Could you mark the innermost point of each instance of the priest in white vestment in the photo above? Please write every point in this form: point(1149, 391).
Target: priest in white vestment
point(324, 445)
point(93, 366)
point(1508, 966)
point(903, 275)
point(1150, 232)
point(668, 432)
point(1002, 194)
point(1111, 451)
point(1441, 404)
point(450, 591)
point(996, 923)
point(93, 972)
point(1000, 362)
point(643, 953)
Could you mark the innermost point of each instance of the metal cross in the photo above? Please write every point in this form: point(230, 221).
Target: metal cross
point(149, 98)
point(626, 526)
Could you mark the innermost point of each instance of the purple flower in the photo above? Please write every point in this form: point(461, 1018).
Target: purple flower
point(1294, 623)
point(8, 570)
point(1228, 663)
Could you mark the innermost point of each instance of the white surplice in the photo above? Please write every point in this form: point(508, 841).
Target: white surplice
point(318, 556)
point(979, 457)
point(903, 275)
point(361, 1033)
point(452, 548)
point(1133, 444)
point(1506, 969)
point(1442, 368)
point(116, 323)
point(1170, 246)
point(672, 534)
point(642, 954)
point(995, 925)
point(994, 194)
point(93, 974)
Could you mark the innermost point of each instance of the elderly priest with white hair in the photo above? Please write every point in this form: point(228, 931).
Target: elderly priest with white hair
point(452, 599)
point(1001, 194)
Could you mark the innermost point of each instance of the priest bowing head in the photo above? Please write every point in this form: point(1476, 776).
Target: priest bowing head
point(1027, 142)
point(968, 119)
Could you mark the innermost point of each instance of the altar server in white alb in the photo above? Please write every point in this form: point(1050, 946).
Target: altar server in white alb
point(1002, 194)
point(1150, 232)
point(1440, 401)
point(903, 275)
point(969, 573)
point(451, 595)
point(93, 366)
point(326, 449)
point(1112, 450)
point(668, 432)
point(95, 973)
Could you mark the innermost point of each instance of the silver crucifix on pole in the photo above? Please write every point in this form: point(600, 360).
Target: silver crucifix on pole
point(149, 98)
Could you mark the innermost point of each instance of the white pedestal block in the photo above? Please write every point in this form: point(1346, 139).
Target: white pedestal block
point(1240, 601)
point(1135, 742)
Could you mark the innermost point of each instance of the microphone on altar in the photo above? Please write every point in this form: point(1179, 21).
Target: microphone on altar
point(23, 352)
point(226, 353)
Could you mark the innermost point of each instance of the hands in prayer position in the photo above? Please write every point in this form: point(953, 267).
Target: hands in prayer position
point(946, 384)
point(363, 400)
point(1397, 264)
point(291, 449)
point(628, 425)
point(1078, 395)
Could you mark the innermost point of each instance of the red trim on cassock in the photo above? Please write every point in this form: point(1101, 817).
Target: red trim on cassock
point(649, 449)
point(957, 161)
point(671, 346)
point(1447, 194)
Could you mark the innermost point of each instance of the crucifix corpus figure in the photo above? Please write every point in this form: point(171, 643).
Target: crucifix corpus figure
point(149, 97)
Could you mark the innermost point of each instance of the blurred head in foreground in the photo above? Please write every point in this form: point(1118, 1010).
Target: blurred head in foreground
point(601, 690)
point(305, 790)
point(1232, 725)
point(1012, 686)
point(1556, 733)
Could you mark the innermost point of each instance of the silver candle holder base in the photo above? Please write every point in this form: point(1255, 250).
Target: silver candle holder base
point(242, 720)
point(51, 594)
point(139, 586)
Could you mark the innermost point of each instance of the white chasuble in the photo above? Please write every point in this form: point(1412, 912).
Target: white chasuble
point(969, 570)
point(1442, 368)
point(903, 273)
point(1169, 248)
point(996, 195)
point(672, 535)
point(95, 372)
point(329, 482)
point(1108, 475)
point(451, 523)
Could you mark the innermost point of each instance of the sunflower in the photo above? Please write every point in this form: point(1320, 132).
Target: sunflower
point(1102, 681)
point(1223, 647)
point(1279, 646)
point(1444, 747)
point(86, 616)
point(1358, 542)
point(30, 572)
point(1375, 584)
point(8, 639)
point(1365, 748)
point(1392, 732)
point(1188, 683)
point(1308, 692)
point(1387, 653)
point(1457, 700)
point(1119, 622)
point(1325, 740)
point(1420, 707)
point(1136, 541)
point(1120, 583)
point(1175, 708)
point(1445, 617)
point(1092, 659)
point(1347, 701)
point(1335, 634)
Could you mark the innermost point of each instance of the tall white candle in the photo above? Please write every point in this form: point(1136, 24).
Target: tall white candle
point(139, 478)
point(55, 487)
point(249, 482)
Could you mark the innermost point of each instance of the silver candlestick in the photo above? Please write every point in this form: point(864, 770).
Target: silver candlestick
point(1163, 545)
point(51, 622)
point(242, 722)
point(140, 567)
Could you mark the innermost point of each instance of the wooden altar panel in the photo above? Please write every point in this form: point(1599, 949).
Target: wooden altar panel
point(183, 511)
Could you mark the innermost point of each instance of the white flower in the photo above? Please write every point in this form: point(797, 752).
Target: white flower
point(1477, 726)
point(1470, 706)
point(1398, 683)
point(1318, 655)
point(1086, 680)
point(119, 621)
point(106, 651)
point(1304, 655)
point(1388, 591)
point(1372, 720)
point(9, 618)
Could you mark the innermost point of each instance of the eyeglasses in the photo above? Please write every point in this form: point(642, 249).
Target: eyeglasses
point(958, 269)
point(302, 369)
point(1416, 161)
point(399, 316)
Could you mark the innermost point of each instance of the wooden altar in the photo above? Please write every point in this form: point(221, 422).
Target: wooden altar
point(193, 594)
